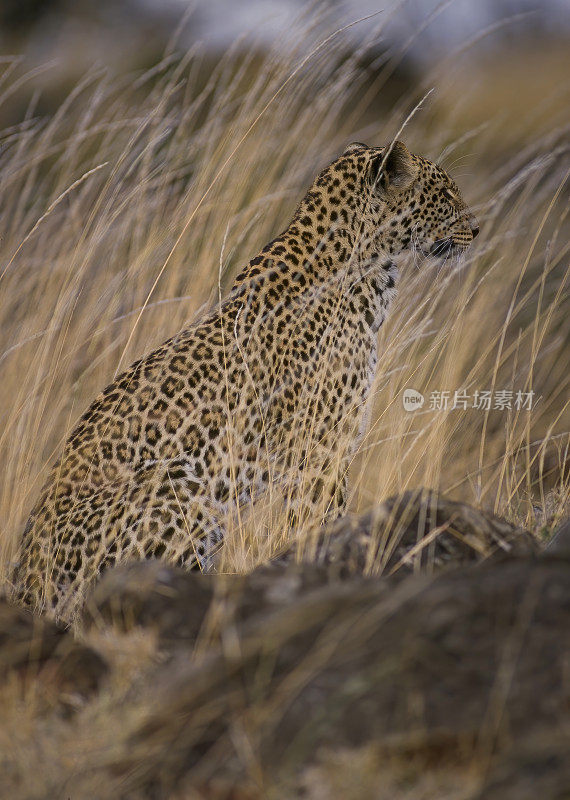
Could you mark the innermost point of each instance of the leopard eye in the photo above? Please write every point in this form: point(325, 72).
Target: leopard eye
point(448, 195)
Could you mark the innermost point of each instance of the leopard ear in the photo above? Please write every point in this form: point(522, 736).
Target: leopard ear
point(354, 147)
point(399, 168)
point(396, 165)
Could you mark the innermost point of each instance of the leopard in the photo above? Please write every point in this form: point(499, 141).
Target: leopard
point(267, 391)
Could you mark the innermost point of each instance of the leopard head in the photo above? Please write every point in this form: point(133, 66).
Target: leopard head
point(399, 202)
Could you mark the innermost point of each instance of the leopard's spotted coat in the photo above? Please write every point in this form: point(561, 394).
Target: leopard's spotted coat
point(273, 381)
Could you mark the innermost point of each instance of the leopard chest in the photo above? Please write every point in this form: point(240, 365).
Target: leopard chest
point(323, 351)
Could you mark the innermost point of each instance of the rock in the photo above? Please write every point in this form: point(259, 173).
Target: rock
point(414, 530)
point(466, 662)
point(35, 648)
point(151, 594)
point(180, 605)
point(78, 674)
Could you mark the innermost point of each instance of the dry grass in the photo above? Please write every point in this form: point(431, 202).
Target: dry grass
point(135, 204)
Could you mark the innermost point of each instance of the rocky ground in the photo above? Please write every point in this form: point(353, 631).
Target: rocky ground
point(418, 651)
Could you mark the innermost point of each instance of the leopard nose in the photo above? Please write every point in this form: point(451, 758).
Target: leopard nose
point(474, 228)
